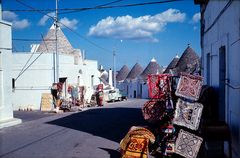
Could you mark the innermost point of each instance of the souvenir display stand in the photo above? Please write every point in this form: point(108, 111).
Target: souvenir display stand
point(173, 114)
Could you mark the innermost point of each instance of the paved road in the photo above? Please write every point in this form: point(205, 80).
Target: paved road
point(31, 115)
point(94, 133)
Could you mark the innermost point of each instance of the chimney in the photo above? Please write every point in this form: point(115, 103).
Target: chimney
point(110, 77)
point(83, 55)
point(100, 67)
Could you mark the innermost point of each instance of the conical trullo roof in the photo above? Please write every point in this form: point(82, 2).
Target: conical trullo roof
point(135, 71)
point(49, 46)
point(152, 68)
point(188, 61)
point(172, 64)
point(122, 74)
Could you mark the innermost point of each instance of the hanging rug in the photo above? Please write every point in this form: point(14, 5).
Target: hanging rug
point(135, 143)
point(188, 114)
point(159, 86)
point(189, 86)
point(187, 144)
point(154, 111)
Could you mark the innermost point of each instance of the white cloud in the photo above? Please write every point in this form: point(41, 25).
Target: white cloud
point(68, 23)
point(16, 22)
point(196, 17)
point(140, 28)
point(65, 21)
point(45, 18)
point(21, 24)
point(9, 16)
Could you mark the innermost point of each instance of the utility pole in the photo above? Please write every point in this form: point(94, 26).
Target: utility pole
point(56, 58)
point(114, 64)
point(114, 69)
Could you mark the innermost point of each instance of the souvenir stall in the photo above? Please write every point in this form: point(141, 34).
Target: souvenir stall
point(173, 114)
point(76, 95)
point(65, 97)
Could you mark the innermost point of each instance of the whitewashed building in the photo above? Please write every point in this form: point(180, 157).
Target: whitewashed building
point(38, 78)
point(6, 109)
point(133, 88)
point(220, 43)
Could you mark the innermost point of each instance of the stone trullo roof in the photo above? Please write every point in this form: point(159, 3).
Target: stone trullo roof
point(122, 74)
point(188, 61)
point(49, 46)
point(135, 71)
point(172, 64)
point(152, 68)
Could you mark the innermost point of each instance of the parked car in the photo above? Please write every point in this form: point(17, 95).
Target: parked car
point(114, 95)
point(124, 95)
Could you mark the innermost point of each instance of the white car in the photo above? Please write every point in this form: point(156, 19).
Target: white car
point(113, 95)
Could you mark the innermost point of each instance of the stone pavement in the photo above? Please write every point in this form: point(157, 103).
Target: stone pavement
point(92, 133)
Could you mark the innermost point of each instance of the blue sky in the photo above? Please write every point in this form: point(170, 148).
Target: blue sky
point(136, 33)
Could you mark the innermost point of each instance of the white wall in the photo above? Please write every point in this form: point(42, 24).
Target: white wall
point(33, 82)
point(133, 85)
point(90, 67)
point(145, 94)
point(6, 111)
point(39, 77)
point(226, 32)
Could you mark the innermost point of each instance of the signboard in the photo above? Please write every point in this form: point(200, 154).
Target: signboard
point(46, 102)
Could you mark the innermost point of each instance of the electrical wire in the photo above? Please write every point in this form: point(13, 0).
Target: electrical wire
point(32, 61)
point(73, 10)
point(60, 9)
point(27, 62)
point(219, 15)
point(24, 67)
point(109, 3)
point(104, 6)
point(76, 33)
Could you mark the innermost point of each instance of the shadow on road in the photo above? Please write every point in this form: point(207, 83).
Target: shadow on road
point(112, 153)
point(109, 123)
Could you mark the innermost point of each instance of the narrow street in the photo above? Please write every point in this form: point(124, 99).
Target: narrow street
point(94, 133)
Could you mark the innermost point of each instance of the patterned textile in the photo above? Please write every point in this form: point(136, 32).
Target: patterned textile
point(169, 148)
point(135, 143)
point(59, 86)
point(159, 86)
point(188, 114)
point(100, 87)
point(189, 86)
point(187, 144)
point(154, 111)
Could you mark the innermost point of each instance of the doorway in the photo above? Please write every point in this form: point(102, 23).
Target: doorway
point(63, 80)
point(222, 79)
point(134, 94)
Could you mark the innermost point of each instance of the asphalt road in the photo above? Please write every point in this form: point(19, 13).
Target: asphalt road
point(94, 133)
